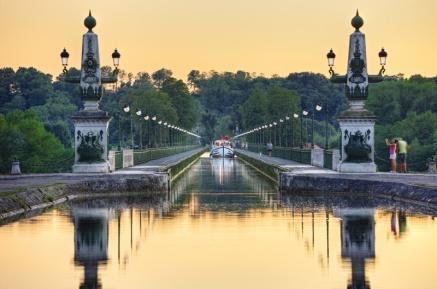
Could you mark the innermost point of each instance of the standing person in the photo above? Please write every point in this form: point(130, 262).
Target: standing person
point(402, 154)
point(392, 152)
point(269, 148)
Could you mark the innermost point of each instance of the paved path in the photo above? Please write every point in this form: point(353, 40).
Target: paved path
point(416, 179)
point(158, 165)
point(286, 165)
point(12, 183)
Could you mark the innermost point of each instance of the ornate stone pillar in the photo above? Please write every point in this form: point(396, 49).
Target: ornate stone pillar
point(91, 123)
point(357, 123)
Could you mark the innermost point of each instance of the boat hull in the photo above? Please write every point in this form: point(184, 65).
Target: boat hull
point(222, 152)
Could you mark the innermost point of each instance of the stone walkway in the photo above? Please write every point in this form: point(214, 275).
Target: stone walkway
point(287, 165)
point(295, 168)
point(15, 183)
point(158, 165)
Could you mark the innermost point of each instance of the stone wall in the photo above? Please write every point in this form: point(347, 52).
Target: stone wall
point(294, 183)
point(18, 203)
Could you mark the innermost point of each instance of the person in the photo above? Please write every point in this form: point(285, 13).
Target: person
point(269, 148)
point(392, 152)
point(401, 146)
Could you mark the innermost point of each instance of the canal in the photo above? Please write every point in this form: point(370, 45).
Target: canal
point(223, 225)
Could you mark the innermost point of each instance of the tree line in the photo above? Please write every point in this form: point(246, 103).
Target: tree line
point(36, 106)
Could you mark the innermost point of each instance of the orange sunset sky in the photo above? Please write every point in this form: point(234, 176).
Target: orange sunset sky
point(262, 36)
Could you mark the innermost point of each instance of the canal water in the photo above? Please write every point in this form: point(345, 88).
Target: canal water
point(223, 226)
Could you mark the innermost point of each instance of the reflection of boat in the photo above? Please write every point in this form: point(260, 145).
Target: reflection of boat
point(222, 149)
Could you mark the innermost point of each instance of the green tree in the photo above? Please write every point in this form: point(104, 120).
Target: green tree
point(182, 100)
point(160, 76)
point(23, 136)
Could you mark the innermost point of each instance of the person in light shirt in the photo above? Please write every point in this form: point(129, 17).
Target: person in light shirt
point(392, 153)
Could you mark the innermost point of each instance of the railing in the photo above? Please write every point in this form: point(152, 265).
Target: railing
point(143, 156)
point(327, 159)
point(118, 160)
point(294, 154)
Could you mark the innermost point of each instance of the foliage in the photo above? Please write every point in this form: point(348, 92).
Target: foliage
point(235, 94)
point(406, 108)
point(23, 136)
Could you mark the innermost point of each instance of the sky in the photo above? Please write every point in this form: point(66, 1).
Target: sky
point(262, 36)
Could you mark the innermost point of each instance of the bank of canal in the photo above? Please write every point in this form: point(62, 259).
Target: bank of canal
point(294, 177)
point(24, 194)
point(223, 225)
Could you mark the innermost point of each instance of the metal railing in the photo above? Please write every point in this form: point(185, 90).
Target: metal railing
point(118, 160)
point(327, 159)
point(146, 155)
point(294, 154)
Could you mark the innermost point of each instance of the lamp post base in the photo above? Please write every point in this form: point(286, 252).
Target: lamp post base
point(347, 167)
point(102, 167)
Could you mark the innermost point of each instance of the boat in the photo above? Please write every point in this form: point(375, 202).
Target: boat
point(222, 148)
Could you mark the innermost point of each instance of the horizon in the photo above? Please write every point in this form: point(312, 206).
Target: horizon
point(228, 36)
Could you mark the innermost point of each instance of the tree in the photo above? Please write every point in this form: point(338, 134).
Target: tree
point(56, 115)
point(160, 76)
point(182, 101)
point(7, 83)
point(33, 85)
point(23, 137)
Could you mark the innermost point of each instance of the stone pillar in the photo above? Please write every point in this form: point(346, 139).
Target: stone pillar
point(91, 142)
point(15, 169)
point(317, 157)
point(128, 158)
point(111, 160)
point(91, 123)
point(356, 123)
point(357, 142)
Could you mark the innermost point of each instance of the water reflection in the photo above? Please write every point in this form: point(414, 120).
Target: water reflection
point(222, 229)
point(357, 242)
point(90, 243)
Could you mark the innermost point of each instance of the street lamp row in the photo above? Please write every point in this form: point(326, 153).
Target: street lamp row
point(304, 113)
point(160, 122)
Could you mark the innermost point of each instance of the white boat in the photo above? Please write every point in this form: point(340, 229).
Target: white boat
point(222, 149)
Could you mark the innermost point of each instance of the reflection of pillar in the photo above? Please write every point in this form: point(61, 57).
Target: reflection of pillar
point(357, 242)
point(90, 243)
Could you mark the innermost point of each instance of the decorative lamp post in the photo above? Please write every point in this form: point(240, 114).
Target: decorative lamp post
point(296, 116)
point(126, 109)
point(317, 108)
point(90, 123)
point(287, 132)
point(304, 113)
point(275, 133)
point(138, 113)
point(357, 123)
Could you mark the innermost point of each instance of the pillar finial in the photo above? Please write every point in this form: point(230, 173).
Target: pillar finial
point(357, 22)
point(90, 22)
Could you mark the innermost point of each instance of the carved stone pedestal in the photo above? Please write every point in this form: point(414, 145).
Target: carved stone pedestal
point(91, 141)
point(357, 140)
